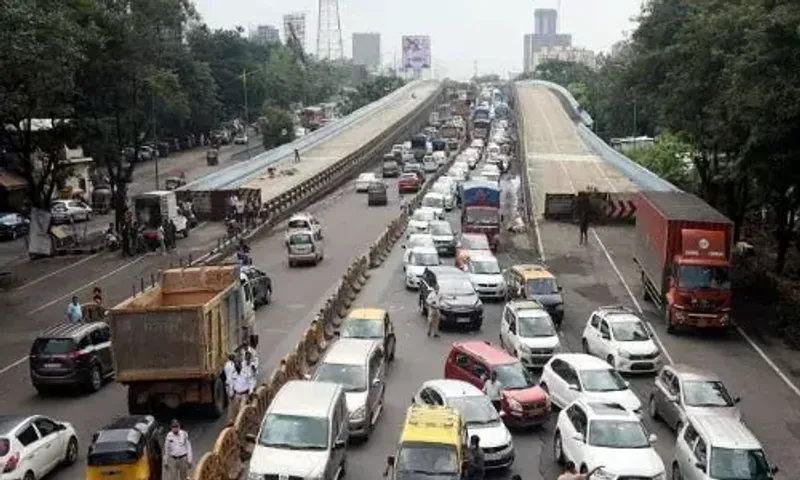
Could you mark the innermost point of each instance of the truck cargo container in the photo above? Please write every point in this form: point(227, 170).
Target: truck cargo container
point(171, 341)
point(480, 210)
point(683, 250)
point(481, 129)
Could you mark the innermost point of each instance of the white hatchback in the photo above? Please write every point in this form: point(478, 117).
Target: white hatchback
point(365, 180)
point(415, 263)
point(418, 223)
point(35, 444)
point(622, 339)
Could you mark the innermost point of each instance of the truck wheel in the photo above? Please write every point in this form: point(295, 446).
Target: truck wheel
point(645, 293)
point(218, 403)
point(670, 325)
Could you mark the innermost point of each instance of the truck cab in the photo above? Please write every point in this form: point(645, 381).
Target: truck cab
point(480, 210)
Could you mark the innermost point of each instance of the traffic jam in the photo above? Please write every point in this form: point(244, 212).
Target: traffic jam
point(460, 423)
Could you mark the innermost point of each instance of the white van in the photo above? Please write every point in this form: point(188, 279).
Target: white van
point(304, 433)
point(303, 246)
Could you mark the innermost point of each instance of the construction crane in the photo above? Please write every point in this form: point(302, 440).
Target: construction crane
point(297, 48)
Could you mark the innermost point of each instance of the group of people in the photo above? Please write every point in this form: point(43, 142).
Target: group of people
point(241, 376)
point(241, 214)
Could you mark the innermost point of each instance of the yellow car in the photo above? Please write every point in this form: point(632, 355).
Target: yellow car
point(371, 323)
point(127, 449)
point(536, 282)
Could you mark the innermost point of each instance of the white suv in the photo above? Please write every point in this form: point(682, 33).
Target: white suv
point(528, 333)
point(595, 433)
point(622, 339)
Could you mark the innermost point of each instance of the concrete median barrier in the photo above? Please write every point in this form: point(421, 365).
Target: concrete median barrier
point(208, 468)
point(228, 450)
point(246, 426)
point(604, 207)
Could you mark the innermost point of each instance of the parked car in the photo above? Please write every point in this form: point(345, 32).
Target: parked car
point(13, 225)
point(364, 181)
point(72, 355)
point(66, 211)
point(528, 333)
point(622, 339)
point(523, 404)
point(409, 183)
point(32, 446)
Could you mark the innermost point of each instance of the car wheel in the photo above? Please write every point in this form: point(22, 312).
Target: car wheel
point(29, 476)
point(72, 451)
point(392, 350)
point(268, 296)
point(95, 380)
point(652, 407)
point(676, 472)
point(585, 345)
point(558, 449)
point(219, 399)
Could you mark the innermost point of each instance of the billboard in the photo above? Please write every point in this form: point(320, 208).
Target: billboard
point(417, 52)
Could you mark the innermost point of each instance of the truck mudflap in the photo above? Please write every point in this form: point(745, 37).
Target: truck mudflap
point(606, 207)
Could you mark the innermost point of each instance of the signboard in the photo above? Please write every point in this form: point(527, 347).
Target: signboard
point(417, 52)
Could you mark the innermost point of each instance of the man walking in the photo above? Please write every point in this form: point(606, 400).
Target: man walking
point(583, 210)
point(177, 454)
point(494, 390)
point(571, 473)
point(74, 311)
point(477, 464)
point(239, 388)
point(434, 315)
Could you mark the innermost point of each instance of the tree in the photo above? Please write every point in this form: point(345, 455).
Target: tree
point(41, 51)
point(276, 127)
point(370, 90)
point(669, 158)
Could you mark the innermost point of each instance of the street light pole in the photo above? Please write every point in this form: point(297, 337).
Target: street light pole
point(246, 114)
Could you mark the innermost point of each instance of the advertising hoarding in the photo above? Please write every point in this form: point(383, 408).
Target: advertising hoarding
point(416, 51)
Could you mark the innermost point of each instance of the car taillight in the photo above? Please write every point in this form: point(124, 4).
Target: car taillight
point(11, 463)
point(74, 355)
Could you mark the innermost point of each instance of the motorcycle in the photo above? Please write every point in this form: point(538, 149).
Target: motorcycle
point(112, 241)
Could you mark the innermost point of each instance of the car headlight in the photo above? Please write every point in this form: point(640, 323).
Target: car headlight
point(524, 348)
point(514, 405)
point(358, 414)
point(624, 353)
point(603, 475)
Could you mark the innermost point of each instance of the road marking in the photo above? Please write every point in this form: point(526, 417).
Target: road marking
point(535, 216)
point(13, 365)
point(86, 285)
point(56, 272)
point(769, 362)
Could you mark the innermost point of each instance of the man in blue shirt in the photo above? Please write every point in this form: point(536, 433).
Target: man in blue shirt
point(74, 313)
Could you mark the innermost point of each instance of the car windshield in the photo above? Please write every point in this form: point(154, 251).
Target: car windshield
point(433, 201)
point(632, 331)
point(427, 459)
point(424, 259)
point(420, 241)
point(294, 432)
point(353, 378)
point(617, 434)
point(604, 380)
point(482, 266)
point(53, 346)
point(513, 376)
point(367, 176)
point(391, 164)
point(697, 277)
point(9, 219)
point(483, 216)
point(706, 393)
point(361, 329)
point(59, 207)
point(542, 286)
point(536, 325)
point(409, 176)
point(477, 410)
point(739, 464)
point(441, 229)
point(423, 215)
point(475, 243)
point(456, 286)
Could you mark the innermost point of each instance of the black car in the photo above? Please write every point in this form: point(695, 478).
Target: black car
point(459, 304)
point(13, 225)
point(261, 284)
point(390, 169)
point(377, 194)
point(72, 355)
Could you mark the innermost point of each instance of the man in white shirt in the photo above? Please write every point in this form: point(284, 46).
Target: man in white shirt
point(177, 454)
point(433, 314)
point(240, 386)
point(494, 390)
point(251, 365)
point(229, 367)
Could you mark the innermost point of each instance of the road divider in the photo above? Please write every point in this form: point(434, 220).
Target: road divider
point(604, 207)
point(235, 443)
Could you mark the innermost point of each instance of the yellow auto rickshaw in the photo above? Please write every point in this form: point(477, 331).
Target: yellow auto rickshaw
point(126, 449)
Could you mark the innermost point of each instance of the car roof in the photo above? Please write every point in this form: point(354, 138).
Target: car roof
point(366, 314)
point(532, 271)
point(519, 305)
point(305, 398)
point(481, 255)
point(688, 372)
point(607, 410)
point(301, 216)
point(453, 388)
point(70, 330)
point(446, 270)
point(486, 351)
point(367, 174)
point(350, 351)
point(433, 194)
point(724, 432)
point(423, 249)
point(10, 422)
point(432, 424)
point(583, 361)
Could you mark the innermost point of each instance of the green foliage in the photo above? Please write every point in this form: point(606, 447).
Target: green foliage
point(669, 158)
point(370, 90)
point(276, 127)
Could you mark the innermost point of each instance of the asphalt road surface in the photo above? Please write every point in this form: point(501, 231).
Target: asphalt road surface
point(604, 273)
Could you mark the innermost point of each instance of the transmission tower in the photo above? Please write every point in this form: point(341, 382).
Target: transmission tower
point(329, 31)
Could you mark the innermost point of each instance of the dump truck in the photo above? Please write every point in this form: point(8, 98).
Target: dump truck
point(480, 209)
point(683, 251)
point(171, 341)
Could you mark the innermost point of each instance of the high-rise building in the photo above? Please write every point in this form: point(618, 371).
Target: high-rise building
point(546, 21)
point(367, 49)
point(265, 35)
point(534, 42)
point(294, 24)
point(565, 54)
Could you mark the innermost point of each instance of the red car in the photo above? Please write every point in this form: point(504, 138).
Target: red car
point(524, 403)
point(409, 182)
point(467, 242)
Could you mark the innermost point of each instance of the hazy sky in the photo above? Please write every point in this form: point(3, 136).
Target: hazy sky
point(462, 31)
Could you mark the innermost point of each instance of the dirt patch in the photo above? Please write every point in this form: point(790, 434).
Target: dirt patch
point(566, 265)
point(596, 292)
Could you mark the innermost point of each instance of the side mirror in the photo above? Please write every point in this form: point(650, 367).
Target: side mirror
point(376, 382)
point(574, 387)
point(700, 466)
point(653, 438)
point(736, 400)
point(251, 438)
point(339, 444)
point(605, 336)
point(578, 438)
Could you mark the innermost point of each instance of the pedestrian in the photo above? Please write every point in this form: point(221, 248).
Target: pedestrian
point(494, 390)
point(296, 156)
point(177, 453)
point(229, 367)
point(583, 208)
point(74, 311)
point(172, 234)
point(251, 365)
point(571, 473)
point(476, 462)
point(239, 388)
point(434, 315)
point(161, 239)
point(240, 212)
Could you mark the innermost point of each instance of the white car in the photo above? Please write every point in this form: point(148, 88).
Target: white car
point(416, 261)
point(527, 331)
point(446, 190)
point(365, 180)
point(418, 223)
point(435, 202)
point(429, 164)
point(622, 339)
point(569, 376)
point(35, 444)
point(65, 211)
point(417, 240)
point(240, 140)
point(478, 414)
point(485, 274)
point(458, 173)
point(441, 158)
point(593, 433)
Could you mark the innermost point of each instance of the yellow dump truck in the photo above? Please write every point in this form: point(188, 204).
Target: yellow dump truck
point(171, 341)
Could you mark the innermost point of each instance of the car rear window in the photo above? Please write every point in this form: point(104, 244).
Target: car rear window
point(301, 239)
point(5, 446)
point(53, 346)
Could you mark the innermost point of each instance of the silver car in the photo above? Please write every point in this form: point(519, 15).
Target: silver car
point(681, 389)
point(357, 365)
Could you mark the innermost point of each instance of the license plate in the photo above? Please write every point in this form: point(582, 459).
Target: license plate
point(52, 365)
point(493, 456)
point(283, 477)
point(463, 320)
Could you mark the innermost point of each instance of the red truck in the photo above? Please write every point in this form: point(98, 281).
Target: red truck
point(683, 250)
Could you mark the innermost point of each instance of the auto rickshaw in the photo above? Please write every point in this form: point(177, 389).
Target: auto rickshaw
point(212, 157)
point(126, 449)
